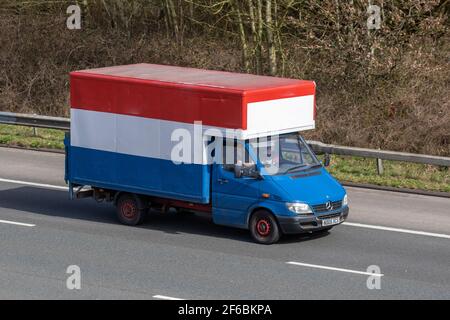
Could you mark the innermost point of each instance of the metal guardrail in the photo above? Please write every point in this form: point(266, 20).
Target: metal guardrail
point(35, 121)
point(318, 147)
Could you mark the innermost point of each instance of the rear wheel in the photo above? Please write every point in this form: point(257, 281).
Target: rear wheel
point(264, 228)
point(130, 209)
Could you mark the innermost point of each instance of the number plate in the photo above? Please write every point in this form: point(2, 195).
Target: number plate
point(330, 222)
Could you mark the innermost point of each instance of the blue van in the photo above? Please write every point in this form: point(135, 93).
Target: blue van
point(136, 141)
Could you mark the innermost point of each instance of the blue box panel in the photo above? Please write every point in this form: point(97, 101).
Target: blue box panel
point(162, 178)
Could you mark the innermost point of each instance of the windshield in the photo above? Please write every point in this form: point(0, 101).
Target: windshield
point(285, 154)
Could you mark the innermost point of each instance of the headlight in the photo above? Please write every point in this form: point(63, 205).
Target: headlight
point(299, 208)
point(345, 201)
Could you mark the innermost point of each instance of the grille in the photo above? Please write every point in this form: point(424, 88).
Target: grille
point(323, 207)
point(328, 216)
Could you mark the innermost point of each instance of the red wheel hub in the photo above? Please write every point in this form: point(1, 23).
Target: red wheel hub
point(128, 209)
point(263, 227)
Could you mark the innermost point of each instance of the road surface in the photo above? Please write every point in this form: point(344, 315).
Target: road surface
point(403, 238)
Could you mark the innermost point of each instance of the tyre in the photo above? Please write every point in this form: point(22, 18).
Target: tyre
point(264, 227)
point(130, 209)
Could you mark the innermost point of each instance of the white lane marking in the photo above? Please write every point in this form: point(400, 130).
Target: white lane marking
point(18, 223)
point(34, 184)
point(165, 297)
point(334, 269)
point(421, 233)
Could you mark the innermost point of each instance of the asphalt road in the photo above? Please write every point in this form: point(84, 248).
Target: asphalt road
point(42, 233)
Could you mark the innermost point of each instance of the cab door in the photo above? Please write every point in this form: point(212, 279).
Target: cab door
point(233, 196)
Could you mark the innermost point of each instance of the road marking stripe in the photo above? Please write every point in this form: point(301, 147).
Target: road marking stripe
point(165, 297)
point(422, 233)
point(18, 223)
point(34, 184)
point(334, 269)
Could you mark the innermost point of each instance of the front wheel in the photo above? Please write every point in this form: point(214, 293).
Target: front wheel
point(264, 228)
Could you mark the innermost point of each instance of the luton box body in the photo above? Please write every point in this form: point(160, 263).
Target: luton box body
point(126, 123)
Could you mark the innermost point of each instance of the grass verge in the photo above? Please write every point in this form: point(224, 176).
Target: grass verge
point(26, 137)
point(396, 174)
point(350, 169)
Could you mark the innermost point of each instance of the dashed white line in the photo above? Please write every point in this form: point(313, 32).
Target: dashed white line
point(334, 269)
point(165, 297)
point(421, 233)
point(34, 184)
point(18, 223)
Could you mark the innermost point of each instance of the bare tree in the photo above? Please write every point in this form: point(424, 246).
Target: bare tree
point(242, 36)
point(270, 39)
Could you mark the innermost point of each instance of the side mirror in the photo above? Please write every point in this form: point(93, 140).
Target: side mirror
point(237, 170)
point(326, 160)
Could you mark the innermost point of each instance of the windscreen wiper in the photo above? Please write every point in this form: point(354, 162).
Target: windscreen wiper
point(295, 167)
point(304, 165)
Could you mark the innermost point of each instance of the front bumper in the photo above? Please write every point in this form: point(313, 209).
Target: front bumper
point(302, 224)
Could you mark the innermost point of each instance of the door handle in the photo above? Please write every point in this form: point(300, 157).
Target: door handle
point(222, 181)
